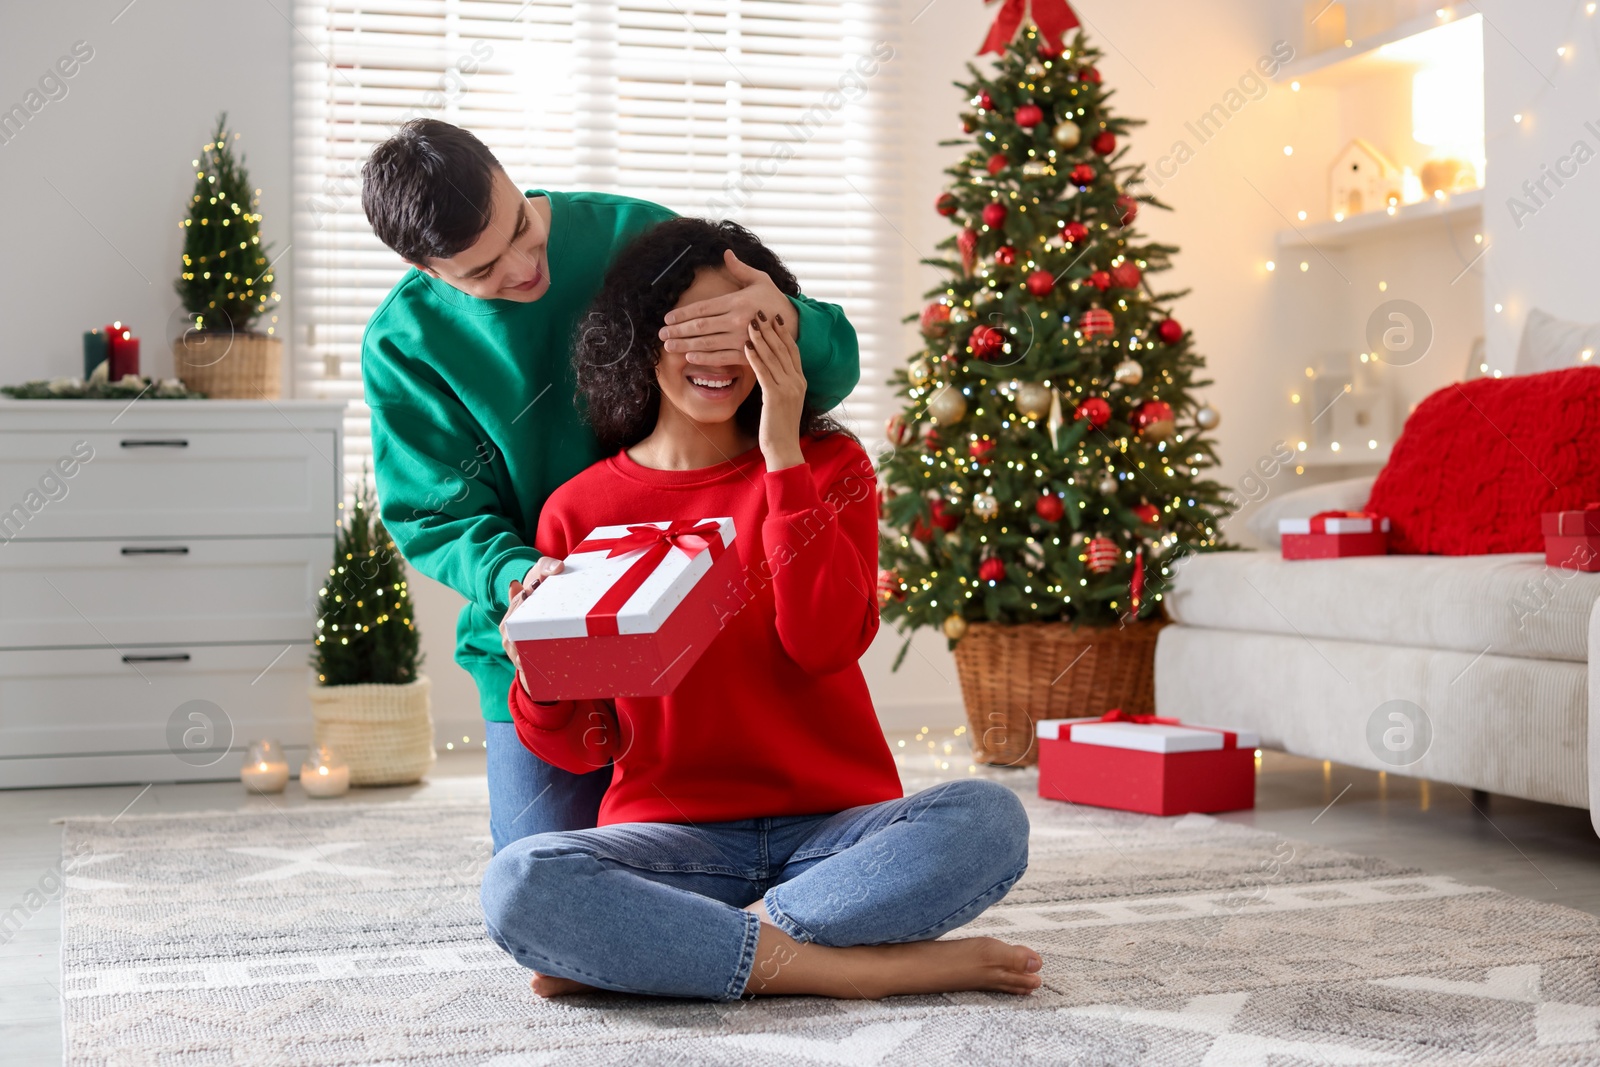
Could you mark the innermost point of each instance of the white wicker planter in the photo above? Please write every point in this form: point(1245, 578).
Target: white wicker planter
point(385, 732)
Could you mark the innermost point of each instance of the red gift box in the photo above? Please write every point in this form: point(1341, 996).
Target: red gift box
point(1149, 764)
point(1331, 534)
point(630, 613)
point(1572, 538)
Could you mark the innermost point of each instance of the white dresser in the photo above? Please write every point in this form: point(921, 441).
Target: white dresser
point(159, 568)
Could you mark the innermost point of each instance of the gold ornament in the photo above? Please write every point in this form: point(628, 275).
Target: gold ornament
point(1067, 134)
point(984, 505)
point(947, 404)
point(1034, 69)
point(1208, 418)
point(955, 627)
point(1128, 373)
point(1107, 484)
point(919, 372)
point(1033, 399)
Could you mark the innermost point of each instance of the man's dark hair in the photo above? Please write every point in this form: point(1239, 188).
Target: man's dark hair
point(428, 190)
point(615, 351)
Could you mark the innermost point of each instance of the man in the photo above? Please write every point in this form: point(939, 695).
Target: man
point(467, 368)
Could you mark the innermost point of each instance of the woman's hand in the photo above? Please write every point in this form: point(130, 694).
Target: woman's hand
point(520, 591)
point(775, 358)
point(711, 332)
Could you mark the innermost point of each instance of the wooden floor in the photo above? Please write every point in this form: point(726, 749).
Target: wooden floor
point(1534, 850)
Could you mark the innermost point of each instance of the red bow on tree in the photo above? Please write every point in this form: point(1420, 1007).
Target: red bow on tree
point(1053, 17)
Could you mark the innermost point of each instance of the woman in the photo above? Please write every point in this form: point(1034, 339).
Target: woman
point(754, 838)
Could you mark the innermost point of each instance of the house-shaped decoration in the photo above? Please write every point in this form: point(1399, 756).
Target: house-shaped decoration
point(1361, 179)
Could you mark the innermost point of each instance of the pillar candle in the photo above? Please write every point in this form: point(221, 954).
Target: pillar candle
point(124, 353)
point(96, 350)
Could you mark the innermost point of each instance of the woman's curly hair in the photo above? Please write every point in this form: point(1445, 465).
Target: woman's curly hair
point(616, 349)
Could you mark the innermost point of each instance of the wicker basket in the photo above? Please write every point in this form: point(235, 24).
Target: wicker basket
point(1012, 675)
point(223, 366)
point(385, 732)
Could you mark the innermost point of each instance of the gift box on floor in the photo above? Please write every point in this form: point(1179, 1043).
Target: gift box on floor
point(1144, 763)
point(630, 613)
point(1572, 538)
point(1330, 534)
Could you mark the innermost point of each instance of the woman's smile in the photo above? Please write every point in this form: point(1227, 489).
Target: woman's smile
point(714, 384)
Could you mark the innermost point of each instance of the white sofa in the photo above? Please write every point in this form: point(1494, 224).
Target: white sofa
point(1498, 651)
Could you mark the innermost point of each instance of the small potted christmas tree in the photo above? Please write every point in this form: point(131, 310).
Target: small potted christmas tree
point(1051, 452)
point(370, 703)
point(226, 283)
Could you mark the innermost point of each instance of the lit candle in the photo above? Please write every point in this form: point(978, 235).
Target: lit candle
point(265, 769)
point(324, 774)
point(124, 352)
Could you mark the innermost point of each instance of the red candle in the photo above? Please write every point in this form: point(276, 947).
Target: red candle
point(124, 357)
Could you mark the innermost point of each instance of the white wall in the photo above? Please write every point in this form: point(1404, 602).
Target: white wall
point(95, 184)
point(1553, 259)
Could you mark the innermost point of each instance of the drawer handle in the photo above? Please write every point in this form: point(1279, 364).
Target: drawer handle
point(170, 657)
point(175, 442)
point(175, 550)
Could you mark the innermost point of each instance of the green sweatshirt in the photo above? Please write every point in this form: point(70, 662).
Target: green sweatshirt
point(473, 422)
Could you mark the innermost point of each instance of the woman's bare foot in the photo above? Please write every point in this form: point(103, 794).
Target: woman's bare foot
point(548, 985)
point(869, 972)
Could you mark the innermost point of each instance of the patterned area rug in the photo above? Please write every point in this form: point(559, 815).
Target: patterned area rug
point(351, 935)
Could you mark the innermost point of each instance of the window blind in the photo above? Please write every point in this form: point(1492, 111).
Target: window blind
point(776, 113)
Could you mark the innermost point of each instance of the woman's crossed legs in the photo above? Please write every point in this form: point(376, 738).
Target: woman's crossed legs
point(842, 905)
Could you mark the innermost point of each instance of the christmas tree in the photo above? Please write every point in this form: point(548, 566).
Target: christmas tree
point(365, 629)
point(226, 281)
point(1051, 448)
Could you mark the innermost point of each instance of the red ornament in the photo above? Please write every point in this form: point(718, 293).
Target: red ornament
point(991, 570)
point(897, 430)
point(1097, 322)
point(1083, 174)
point(930, 439)
point(994, 215)
point(1005, 255)
point(980, 448)
point(1130, 208)
point(1170, 331)
point(985, 101)
point(1047, 48)
point(1104, 143)
point(997, 163)
point(1102, 554)
point(1100, 280)
point(986, 342)
point(889, 587)
point(1126, 275)
point(943, 517)
point(1074, 232)
point(946, 205)
point(935, 319)
point(920, 531)
point(1040, 282)
point(1029, 116)
point(1049, 507)
point(1090, 75)
point(1153, 418)
point(1095, 409)
point(1148, 514)
point(967, 242)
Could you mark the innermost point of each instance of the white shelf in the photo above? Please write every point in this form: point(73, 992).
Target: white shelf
point(1351, 455)
point(1464, 207)
point(1334, 66)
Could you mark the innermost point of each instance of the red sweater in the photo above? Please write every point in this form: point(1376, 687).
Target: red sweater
point(775, 718)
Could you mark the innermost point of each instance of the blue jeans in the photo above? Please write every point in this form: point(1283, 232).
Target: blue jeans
point(656, 908)
point(527, 796)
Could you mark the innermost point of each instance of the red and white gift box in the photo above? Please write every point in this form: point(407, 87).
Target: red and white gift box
point(1144, 763)
point(1572, 538)
point(629, 614)
point(1330, 534)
